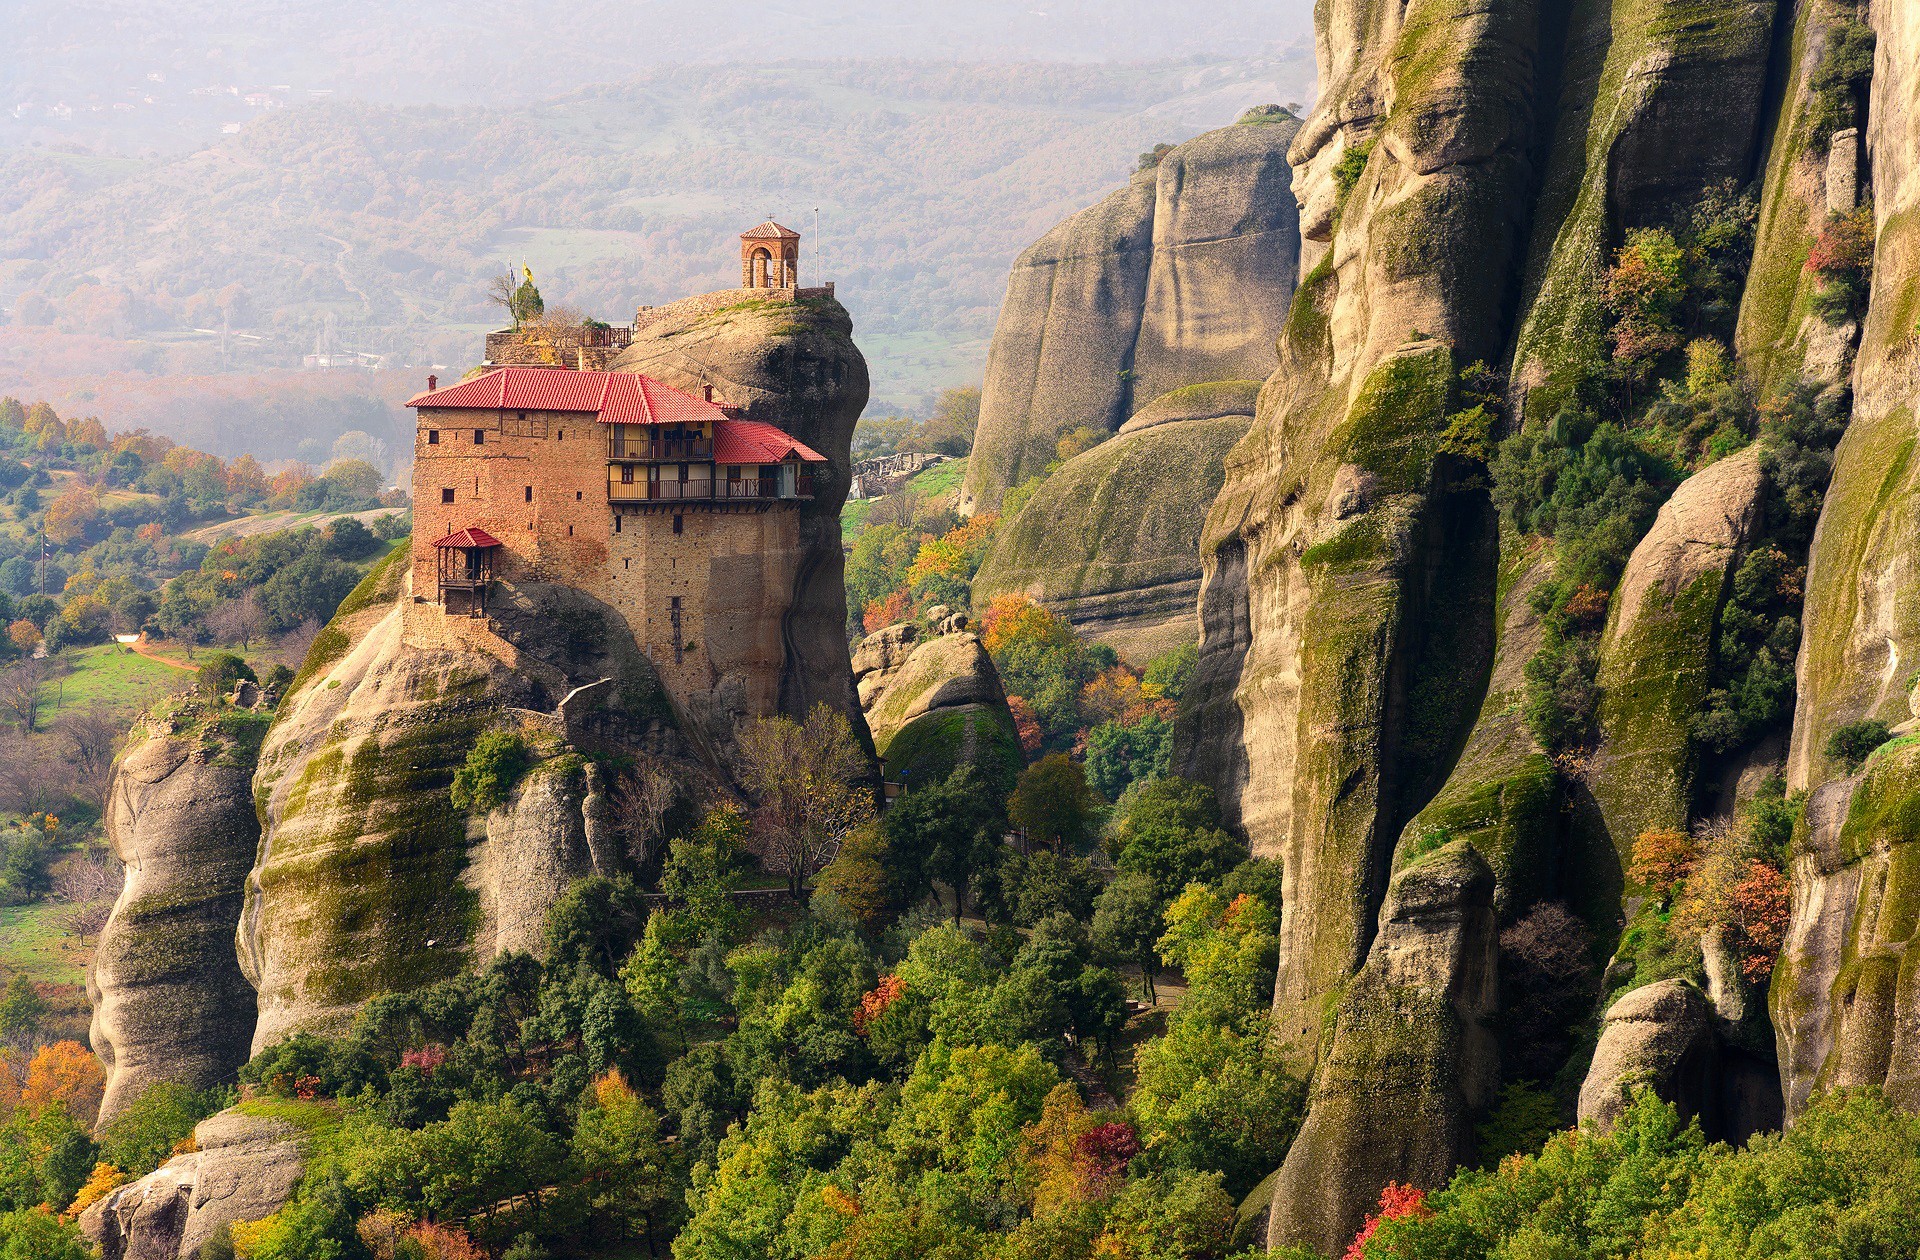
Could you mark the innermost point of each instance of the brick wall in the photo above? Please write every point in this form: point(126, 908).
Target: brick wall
point(731, 566)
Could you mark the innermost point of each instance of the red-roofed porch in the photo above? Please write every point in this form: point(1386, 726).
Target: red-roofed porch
point(465, 570)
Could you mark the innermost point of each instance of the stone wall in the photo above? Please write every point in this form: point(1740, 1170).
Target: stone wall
point(731, 566)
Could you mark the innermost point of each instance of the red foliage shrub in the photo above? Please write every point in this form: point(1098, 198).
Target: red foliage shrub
point(883, 612)
point(1661, 859)
point(1396, 1201)
point(1026, 725)
point(1586, 608)
point(1763, 902)
point(427, 1059)
point(1102, 1154)
point(873, 1005)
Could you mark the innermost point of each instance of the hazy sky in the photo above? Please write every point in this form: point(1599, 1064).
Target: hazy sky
point(70, 51)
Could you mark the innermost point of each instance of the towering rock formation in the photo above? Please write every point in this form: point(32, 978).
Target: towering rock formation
point(1111, 541)
point(791, 364)
point(1179, 278)
point(1465, 184)
point(935, 703)
point(169, 1002)
point(1844, 999)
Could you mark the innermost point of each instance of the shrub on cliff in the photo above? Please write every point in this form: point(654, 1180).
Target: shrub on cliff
point(143, 1136)
point(1851, 744)
point(493, 767)
point(1842, 261)
point(220, 672)
point(1844, 70)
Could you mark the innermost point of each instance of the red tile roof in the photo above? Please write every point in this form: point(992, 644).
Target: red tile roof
point(613, 397)
point(750, 442)
point(770, 231)
point(470, 537)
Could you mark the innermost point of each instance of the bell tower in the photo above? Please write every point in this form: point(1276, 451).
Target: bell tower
point(770, 257)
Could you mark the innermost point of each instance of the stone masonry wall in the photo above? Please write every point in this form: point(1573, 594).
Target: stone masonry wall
point(731, 566)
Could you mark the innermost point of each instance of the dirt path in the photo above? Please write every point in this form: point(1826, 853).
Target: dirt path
point(142, 648)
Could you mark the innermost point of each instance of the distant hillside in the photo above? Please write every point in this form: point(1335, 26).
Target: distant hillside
point(134, 75)
point(375, 227)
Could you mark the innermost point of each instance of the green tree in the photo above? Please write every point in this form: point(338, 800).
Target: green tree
point(1853, 743)
point(468, 1165)
point(947, 831)
point(1053, 804)
point(705, 1098)
point(350, 484)
point(1172, 834)
point(701, 869)
point(39, 1235)
point(22, 1009)
point(142, 1136)
point(1126, 926)
point(595, 922)
point(631, 1176)
point(220, 671)
point(1121, 753)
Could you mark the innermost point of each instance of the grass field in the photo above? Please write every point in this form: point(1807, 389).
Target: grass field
point(117, 678)
point(34, 942)
point(110, 676)
point(278, 522)
point(940, 480)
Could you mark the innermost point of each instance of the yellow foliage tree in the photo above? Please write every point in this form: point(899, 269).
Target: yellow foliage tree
point(104, 1181)
point(69, 516)
point(65, 1074)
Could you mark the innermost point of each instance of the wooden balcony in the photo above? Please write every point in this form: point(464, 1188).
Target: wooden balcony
point(704, 490)
point(663, 452)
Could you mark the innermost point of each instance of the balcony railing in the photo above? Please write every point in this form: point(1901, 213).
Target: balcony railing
point(639, 491)
point(686, 449)
point(611, 337)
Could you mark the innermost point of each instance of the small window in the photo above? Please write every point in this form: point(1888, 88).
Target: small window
point(616, 524)
point(626, 564)
point(433, 437)
point(578, 495)
point(479, 437)
point(560, 436)
point(569, 531)
point(678, 521)
point(529, 494)
point(446, 494)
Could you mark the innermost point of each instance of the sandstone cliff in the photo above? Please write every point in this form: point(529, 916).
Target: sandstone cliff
point(1658, 648)
point(367, 879)
point(1842, 998)
point(1181, 277)
point(1322, 610)
point(169, 1002)
point(1411, 1058)
point(243, 1167)
point(1347, 612)
point(1111, 541)
point(1465, 182)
